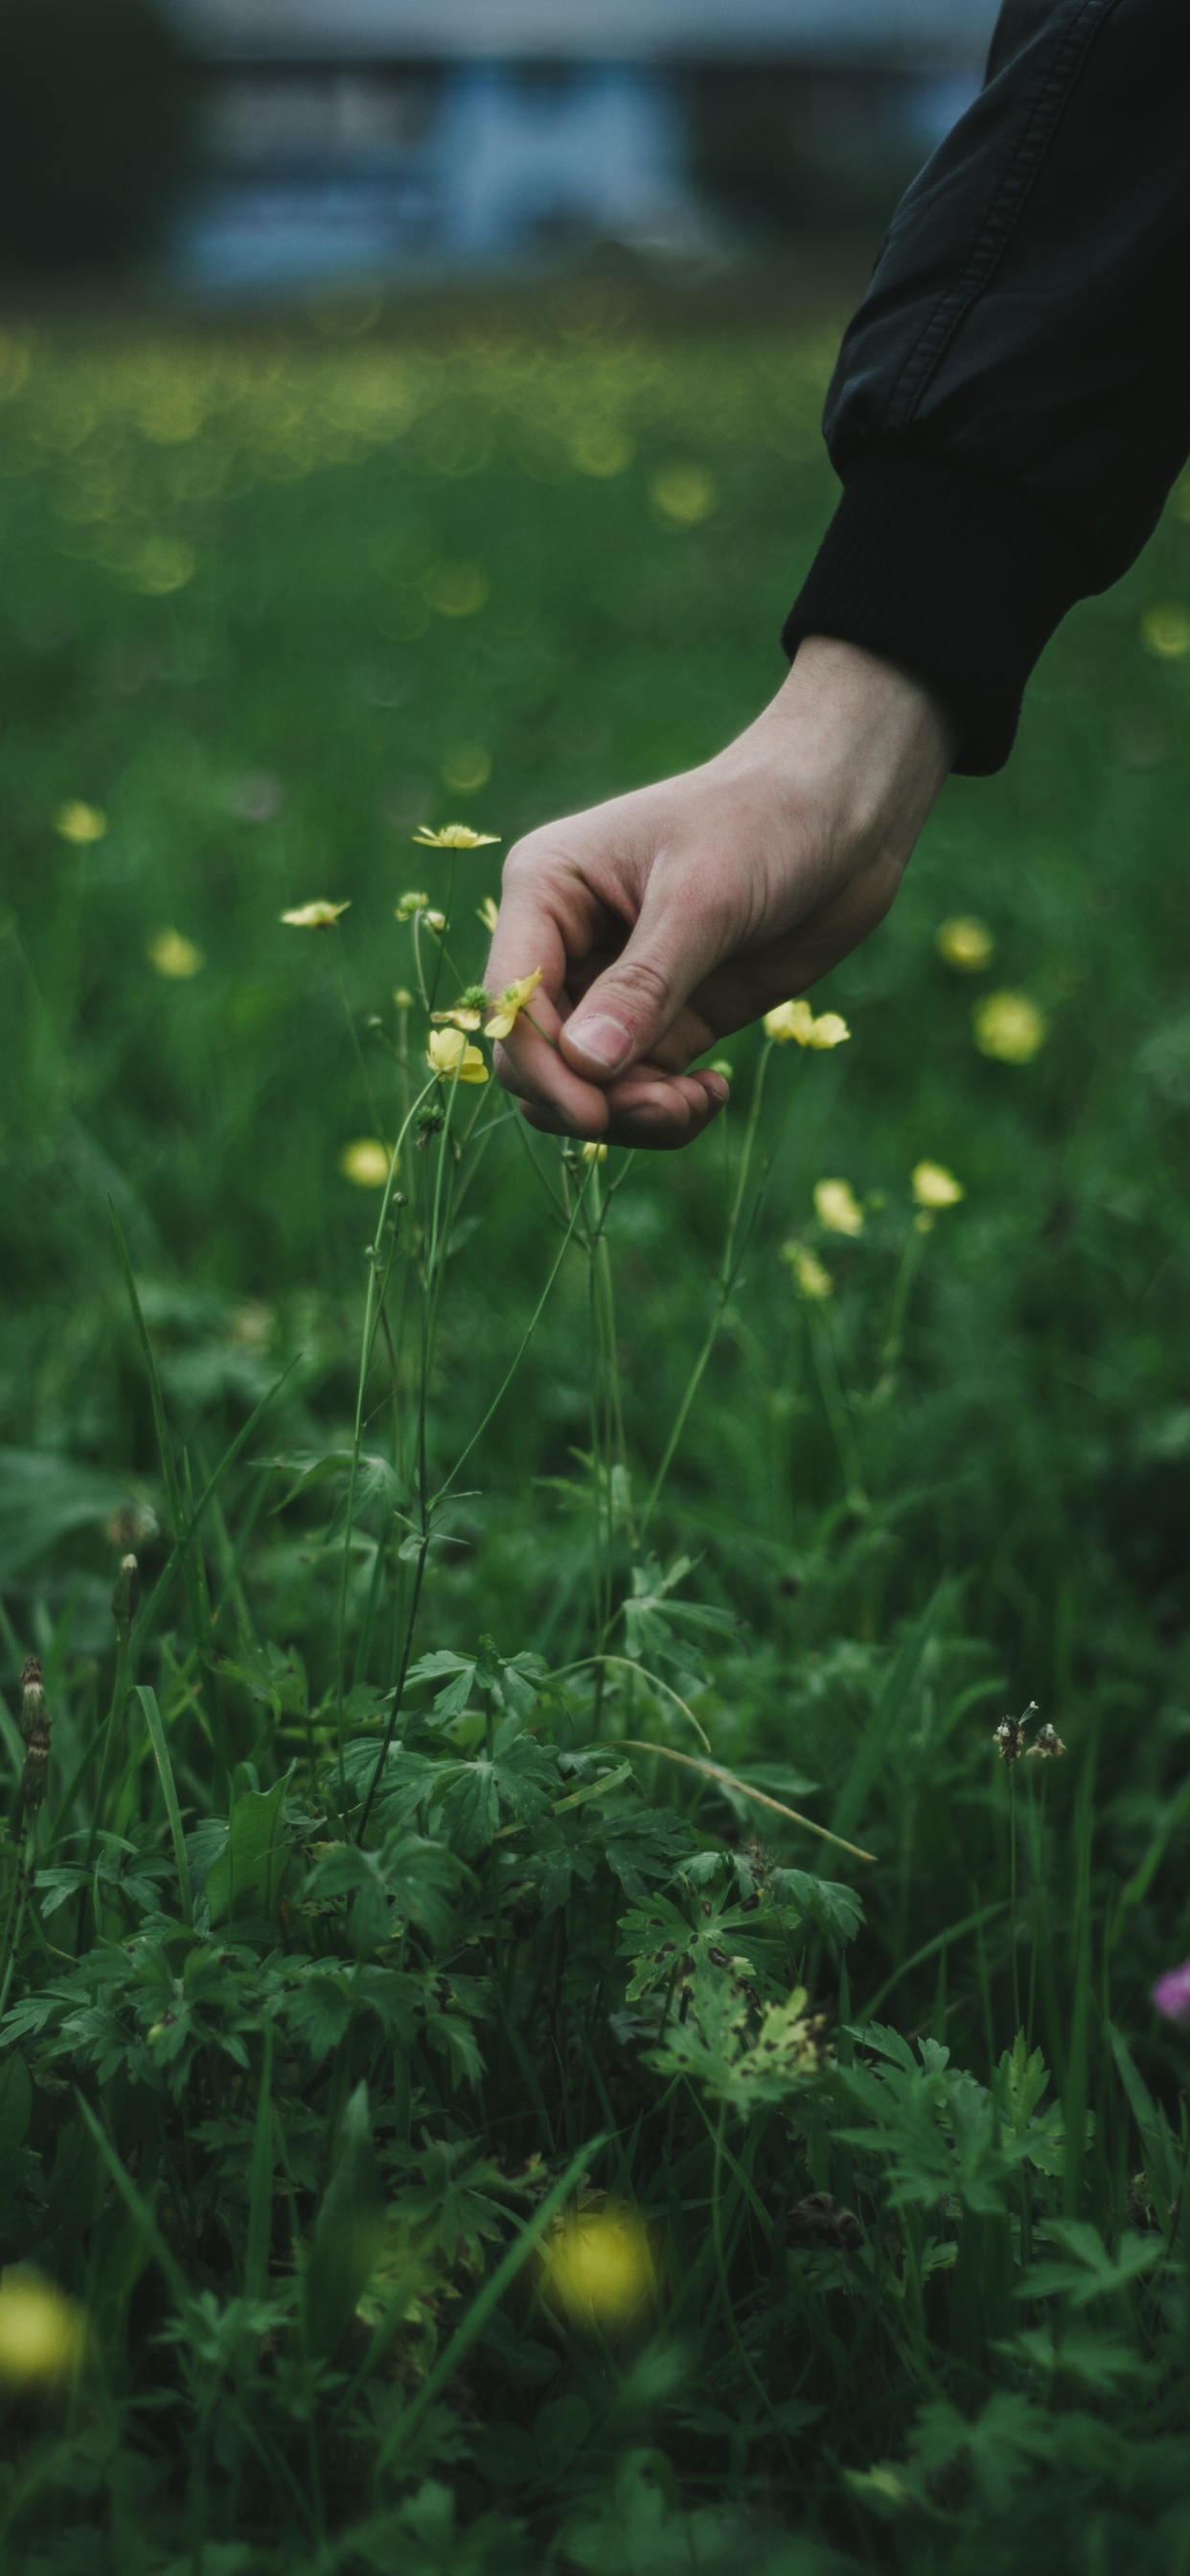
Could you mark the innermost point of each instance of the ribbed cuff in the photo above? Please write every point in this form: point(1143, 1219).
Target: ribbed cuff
point(958, 580)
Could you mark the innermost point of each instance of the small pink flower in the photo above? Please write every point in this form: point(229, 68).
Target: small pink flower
point(1171, 1994)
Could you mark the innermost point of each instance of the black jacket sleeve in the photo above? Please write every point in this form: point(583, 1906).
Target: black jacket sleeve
point(1012, 400)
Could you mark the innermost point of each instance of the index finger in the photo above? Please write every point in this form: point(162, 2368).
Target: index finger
point(539, 927)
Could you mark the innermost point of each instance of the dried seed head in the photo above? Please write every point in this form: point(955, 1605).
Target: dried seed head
point(1009, 1736)
point(32, 1695)
point(127, 1592)
point(1048, 1747)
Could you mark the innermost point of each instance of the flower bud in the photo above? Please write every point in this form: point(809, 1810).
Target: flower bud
point(126, 1595)
point(32, 1695)
point(37, 1759)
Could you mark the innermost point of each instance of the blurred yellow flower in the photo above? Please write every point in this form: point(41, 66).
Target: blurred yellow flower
point(410, 903)
point(934, 1187)
point(169, 952)
point(1009, 1026)
point(367, 1162)
point(809, 1273)
point(599, 2264)
point(796, 1020)
point(722, 1064)
point(455, 589)
point(837, 1207)
point(683, 493)
point(402, 998)
point(80, 823)
point(601, 451)
point(467, 767)
point(594, 1153)
point(488, 912)
point(160, 565)
point(436, 921)
point(43, 2334)
point(1166, 632)
point(510, 1003)
point(449, 1056)
point(454, 836)
point(315, 916)
point(965, 943)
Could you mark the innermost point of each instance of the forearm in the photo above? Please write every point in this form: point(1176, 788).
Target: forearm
point(1012, 400)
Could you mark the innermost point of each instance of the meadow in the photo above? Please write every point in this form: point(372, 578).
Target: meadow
point(546, 2019)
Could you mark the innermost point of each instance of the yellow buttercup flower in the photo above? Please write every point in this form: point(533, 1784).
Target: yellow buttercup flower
point(796, 1020)
point(965, 943)
point(468, 1011)
point(315, 916)
point(812, 1278)
point(410, 903)
point(1010, 1027)
point(367, 1162)
point(488, 912)
point(594, 1153)
point(599, 2265)
point(80, 823)
point(449, 1056)
point(169, 952)
point(934, 1187)
point(43, 2334)
point(510, 1003)
point(837, 1207)
point(454, 836)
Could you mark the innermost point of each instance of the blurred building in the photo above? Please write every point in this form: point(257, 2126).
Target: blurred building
point(348, 137)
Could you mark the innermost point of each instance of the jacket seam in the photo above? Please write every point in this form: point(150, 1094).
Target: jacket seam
point(922, 361)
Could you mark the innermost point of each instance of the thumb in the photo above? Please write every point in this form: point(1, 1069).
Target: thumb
point(628, 1010)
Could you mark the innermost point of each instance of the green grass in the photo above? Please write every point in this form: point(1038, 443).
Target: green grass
point(424, 2090)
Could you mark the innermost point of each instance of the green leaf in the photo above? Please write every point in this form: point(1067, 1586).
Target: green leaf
point(153, 1720)
point(349, 2232)
point(246, 1878)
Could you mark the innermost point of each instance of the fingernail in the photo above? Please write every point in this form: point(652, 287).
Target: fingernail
point(602, 1040)
point(719, 1089)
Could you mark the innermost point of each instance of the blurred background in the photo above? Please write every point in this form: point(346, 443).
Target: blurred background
point(228, 147)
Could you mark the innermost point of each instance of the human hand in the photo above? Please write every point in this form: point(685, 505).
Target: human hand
point(667, 918)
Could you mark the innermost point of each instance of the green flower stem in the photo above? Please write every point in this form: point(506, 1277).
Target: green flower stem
point(371, 1319)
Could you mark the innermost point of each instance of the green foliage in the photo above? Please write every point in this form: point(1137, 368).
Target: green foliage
point(388, 1940)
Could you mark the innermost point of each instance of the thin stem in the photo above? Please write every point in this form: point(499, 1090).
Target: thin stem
point(760, 1797)
point(506, 1381)
point(1016, 1997)
point(626, 1665)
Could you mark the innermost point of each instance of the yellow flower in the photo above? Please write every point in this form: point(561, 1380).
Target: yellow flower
point(43, 2334)
point(315, 916)
point(454, 836)
point(366, 1162)
point(1010, 1026)
point(599, 2264)
point(510, 1003)
point(449, 1056)
point(837, 1207)
point(594, 1153)
point(1166, 631)
point(170, 953)
point(722, 1064)
point(403, 999)
point(809, 1273)
point(80, 823)
point(965, 943)
point(796, 1020)
point(468, 1011)
point(436, 921)
point(411, 903)
point(934, 1187)
point(488, 912)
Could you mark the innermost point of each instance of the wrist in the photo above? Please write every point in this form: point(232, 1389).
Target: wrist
point(858, 741)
